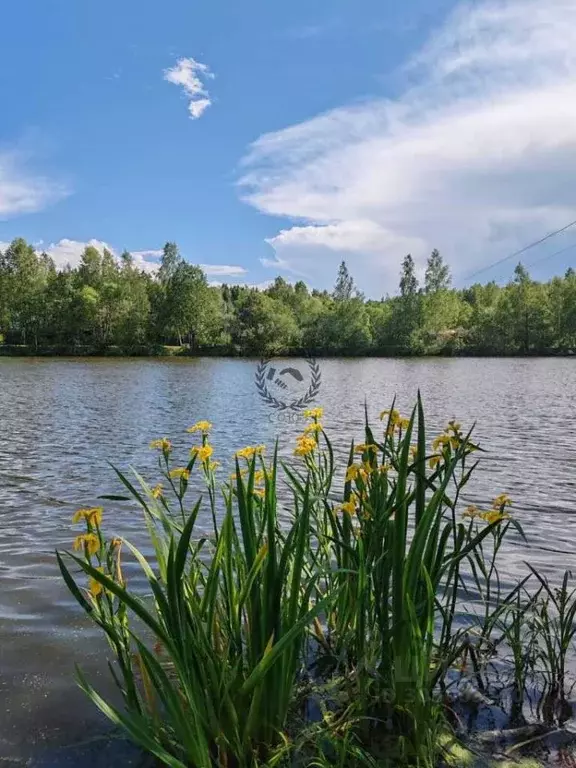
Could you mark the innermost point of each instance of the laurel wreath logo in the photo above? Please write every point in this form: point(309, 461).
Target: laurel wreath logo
point(295, 405)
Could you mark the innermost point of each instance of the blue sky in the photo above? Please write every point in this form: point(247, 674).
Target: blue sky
point(334, 130)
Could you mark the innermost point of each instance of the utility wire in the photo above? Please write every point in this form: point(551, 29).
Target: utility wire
point(522, 250)
point(551, 255)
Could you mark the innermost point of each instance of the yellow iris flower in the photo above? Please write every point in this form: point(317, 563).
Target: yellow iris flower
point(494, 516)
point(163, 444)
point(440, 442)
point(91, 515)
point(365, 447)
point(201, 426)
point(352, 473)
point(349, 507)
point(94, 586)
point(202, 451)
point(503, 500)
point(89, 542)
point(304, 445)
point(180, 473)
point(249, 451)
point(433, 461)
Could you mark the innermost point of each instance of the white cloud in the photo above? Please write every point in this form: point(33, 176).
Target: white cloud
point(197, 107)
point(258, 286)
point(150, 261)
point(476, 159)
point(145, 264)
point(343, 236)
point(222, 269)
point(22, 191)
point(190, 75)
point(153, 254)
point(261, 286)
point(68, 252)
point(147, 260)
point(209, 269)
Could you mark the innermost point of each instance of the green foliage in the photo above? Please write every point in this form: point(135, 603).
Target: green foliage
point(227, 619)
point(109, 302)
point(263, 325)
point(407, 310)
point(345, 327)
point(348, 602)
point(192, 308)
point(437, 276)
point(23, 278)
point(344, 289)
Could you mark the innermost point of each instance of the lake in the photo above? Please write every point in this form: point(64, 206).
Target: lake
point(63, 420)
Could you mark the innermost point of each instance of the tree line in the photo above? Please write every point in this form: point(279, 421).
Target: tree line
point(107, 304)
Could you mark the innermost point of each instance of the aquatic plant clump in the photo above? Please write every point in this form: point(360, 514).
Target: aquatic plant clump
point(327, 639)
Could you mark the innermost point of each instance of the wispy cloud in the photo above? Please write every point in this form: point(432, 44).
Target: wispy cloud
point(476, 158)
point(191, 76)
point(211, 270)
point(215, 270)
point(21, 190)
point(257, 286)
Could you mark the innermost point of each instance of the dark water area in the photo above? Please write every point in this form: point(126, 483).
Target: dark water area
point(63, 420)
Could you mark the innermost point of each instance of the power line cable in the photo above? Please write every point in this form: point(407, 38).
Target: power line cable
point(522, 250)
point(551, 255)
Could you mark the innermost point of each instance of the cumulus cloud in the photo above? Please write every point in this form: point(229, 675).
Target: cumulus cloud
point(148, 261)
point(152, 254)
point(475, 158)
point(68, 253)
point(22, 191)
point(191, 75)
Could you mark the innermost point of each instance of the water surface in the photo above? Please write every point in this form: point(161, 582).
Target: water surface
point(62, 420)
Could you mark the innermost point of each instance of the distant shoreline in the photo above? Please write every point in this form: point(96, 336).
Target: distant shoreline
point(164, 351)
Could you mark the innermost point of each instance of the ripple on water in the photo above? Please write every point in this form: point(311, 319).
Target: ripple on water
point(63, 420)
